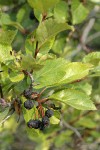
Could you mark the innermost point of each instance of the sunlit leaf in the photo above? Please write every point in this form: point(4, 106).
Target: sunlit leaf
point(5, 53)
point(93, 58)
point(44, 33)
point(60, 12)
point(42, 5)
point(7, 36)
point(79, 12)
point(74, 98)
point(16, 77)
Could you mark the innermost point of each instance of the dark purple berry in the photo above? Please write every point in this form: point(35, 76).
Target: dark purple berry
point(30, 123)
point(49, 113)
point(28, 104)
point(34, 124)
point(41, 126)
point(27, 93)
point(45, 121)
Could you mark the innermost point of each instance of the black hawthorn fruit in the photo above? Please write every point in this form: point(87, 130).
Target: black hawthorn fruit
point(49, 113)
point(45, 121)
point(28, 104)
point(34, 124)
point(27, 93)
point(41, 126)
point(30, 123)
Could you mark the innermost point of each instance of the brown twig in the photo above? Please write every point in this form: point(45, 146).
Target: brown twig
point(73, 129)
point(30, 76)
point(44, 16)
point(41, 93)
point(42, 100)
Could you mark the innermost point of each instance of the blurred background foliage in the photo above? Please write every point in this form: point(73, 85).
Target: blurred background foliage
point(84, 15)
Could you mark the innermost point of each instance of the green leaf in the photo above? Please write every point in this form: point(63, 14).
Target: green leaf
point(75, 71)
point(7, 36)
point(5, 20)
point(85, 87)
point(20, 14)
point(28, 63)
point(95, 1)
point(61, 12)
point(42, 5)
point(95, 72)
point(58, 72)
point(30, 45)
point(79, 12)
point(44, 33)
point(54, 120)
point(59, 44)
point(47, 46)
point(16, 77)
point(33, 134)
point(51, 73)
point(38, 15)
point(4, 114)
point(93, 58)
point(5, 53)
point(74, 98)
point(19, 87)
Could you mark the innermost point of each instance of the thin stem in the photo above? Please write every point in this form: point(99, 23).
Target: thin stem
point(41, 92)
point(42, 100)
point(44, 17)
point(73, 129)
point(30, 76)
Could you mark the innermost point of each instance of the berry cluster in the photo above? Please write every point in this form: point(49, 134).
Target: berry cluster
point(37, 124)
point(29, 104)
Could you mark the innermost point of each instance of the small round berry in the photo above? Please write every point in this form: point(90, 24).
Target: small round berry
point(45, 121)
point(49, 113)
point(41, 126)
point(36, 124)
point(30, 123)
point(27, 93)
point(28, 104)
